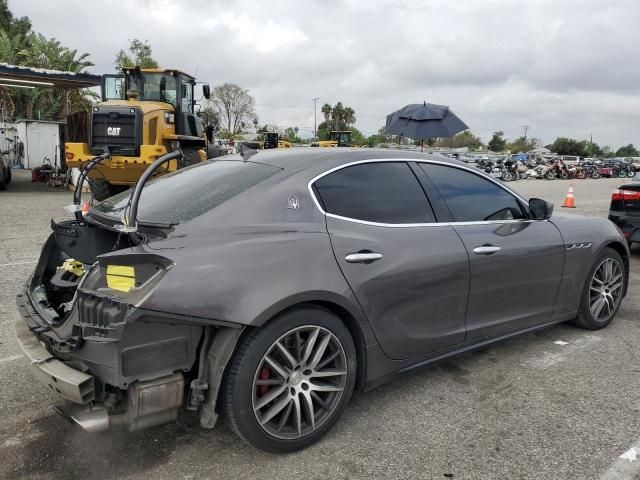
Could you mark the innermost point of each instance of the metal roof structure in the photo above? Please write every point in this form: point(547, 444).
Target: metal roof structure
point(28, 77)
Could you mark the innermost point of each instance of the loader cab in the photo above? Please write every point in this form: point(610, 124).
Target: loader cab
point(271, 140)
point(342, 137)
point(155, 85)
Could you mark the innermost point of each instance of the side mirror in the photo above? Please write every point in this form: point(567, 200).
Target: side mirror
point(540, 209)
point(206, 91)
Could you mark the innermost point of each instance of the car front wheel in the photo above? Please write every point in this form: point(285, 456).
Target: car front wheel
point(603, 291)
point(289, 381)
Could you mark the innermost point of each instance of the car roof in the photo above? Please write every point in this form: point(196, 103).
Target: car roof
point(318, 160)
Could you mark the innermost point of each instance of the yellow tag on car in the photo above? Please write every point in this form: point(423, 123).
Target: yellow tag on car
point(121, 278)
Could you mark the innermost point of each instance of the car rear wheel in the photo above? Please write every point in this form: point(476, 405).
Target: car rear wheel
point(290, 381)
point(602, 292)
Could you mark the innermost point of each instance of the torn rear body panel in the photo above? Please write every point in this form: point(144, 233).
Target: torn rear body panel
point(85, 329)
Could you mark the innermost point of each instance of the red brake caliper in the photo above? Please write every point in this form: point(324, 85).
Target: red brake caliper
point(265, 374)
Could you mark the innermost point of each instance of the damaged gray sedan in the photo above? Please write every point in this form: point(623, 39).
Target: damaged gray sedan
point(269, 288)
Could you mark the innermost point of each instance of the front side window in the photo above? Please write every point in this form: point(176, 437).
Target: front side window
point(380, 192)
point(187, 98)
point(154, 86)
point(470, 197)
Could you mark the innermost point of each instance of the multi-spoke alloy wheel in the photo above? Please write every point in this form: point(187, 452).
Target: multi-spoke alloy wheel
point(290, 380)
point(603, 290)
point(299, 382)
point(606, 289)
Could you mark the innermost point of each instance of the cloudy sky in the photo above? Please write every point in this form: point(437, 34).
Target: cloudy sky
point(563, 67)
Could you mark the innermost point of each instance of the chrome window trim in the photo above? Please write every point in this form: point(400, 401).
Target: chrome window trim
point(405, 225)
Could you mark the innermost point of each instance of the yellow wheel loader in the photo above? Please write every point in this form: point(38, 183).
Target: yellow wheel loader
point(271, 140)
point(143, 111)
point(337, 138)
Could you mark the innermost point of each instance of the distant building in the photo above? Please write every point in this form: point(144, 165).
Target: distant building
point(40, 139)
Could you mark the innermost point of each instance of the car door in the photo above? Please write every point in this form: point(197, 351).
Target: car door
point(515, 263)
point(409, 274)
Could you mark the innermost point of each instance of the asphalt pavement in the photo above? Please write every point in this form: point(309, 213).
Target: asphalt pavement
point(527, 408)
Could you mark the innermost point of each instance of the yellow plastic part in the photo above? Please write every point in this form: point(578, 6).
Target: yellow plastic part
point(121, 278)
point(73, 266)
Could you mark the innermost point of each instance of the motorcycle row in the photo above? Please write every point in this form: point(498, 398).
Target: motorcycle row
point(510, 169)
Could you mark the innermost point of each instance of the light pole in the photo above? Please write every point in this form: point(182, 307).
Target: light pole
point(315, 122)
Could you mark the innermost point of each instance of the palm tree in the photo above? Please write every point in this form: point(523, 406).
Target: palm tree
point(349, 116)
point(9, 47)
point(326, 111)
point(49, 53)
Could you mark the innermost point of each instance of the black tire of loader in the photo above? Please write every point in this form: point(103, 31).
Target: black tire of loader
point(191, 156)
point(100, 188)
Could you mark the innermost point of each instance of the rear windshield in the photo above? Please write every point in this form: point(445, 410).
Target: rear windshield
point(188, 193)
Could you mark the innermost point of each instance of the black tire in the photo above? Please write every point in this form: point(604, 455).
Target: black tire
point(585, 318)
point(8, 179)
point(191, 156)
point(100, 188)
point(595, 175)
point(550, 175)
point(238, 385)
point(3, 178)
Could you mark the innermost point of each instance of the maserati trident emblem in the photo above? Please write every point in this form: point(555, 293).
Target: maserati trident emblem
point(293, 203)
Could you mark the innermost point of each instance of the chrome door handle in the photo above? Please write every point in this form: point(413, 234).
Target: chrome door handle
point(486, 250)
point(363, 257)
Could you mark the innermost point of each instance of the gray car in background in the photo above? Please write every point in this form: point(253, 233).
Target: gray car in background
point(268, 289)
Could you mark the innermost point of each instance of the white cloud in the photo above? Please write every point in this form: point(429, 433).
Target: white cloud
point(566, 68)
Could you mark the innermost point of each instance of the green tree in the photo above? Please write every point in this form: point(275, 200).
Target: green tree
point(497, 143)
point(11, 25)
point(139, 54)
point(523, 144)
point(627, 151)
point(337, 117)
point(291, 134)
point(43, 52)
point(568, 146)
point(592, 149)
point(461, 140)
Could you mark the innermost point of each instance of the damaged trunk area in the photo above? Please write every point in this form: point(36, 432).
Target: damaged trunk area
point(91, 340)
point(66, 257)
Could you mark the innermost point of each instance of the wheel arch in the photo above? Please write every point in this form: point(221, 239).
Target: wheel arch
point(353, 320)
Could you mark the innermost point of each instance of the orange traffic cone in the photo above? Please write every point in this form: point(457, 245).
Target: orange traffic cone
point(569, 201)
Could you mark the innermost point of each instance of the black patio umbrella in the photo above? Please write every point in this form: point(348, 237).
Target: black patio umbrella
point(426, 120)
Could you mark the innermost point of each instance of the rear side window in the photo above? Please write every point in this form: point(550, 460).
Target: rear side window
point(470, 197)
point(190, 192)
point(378, 192)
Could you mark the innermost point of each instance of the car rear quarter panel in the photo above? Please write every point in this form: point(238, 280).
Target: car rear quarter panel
point(578, 232)
point(250, 275)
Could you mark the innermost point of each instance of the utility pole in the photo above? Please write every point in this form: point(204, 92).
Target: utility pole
point(315, 122)
point(526, 129)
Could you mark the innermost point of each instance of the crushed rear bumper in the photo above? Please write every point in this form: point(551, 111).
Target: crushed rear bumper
point(67, 382)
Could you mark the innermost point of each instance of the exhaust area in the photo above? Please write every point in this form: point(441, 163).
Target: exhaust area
point(147, 404)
